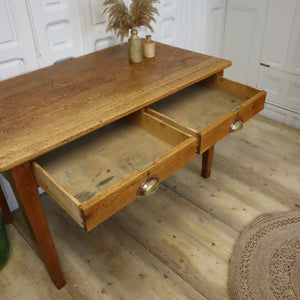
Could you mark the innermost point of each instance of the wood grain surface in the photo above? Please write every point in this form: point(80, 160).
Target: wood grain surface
point(31, 206)
point(207, 109)
point(175, 244)
point(97, 175)
point(207, 160)
point(19, 281)
point(45, 109)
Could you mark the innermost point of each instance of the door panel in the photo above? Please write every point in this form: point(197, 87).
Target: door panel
point(17, 51)
point(243, 38)
point(56, 27)
point(167, 28)
point(93, 26)
point(283, 88)
point(282, 115)
point(215, 32)
point(293, 61)
point(275, 113)
point(281, 48)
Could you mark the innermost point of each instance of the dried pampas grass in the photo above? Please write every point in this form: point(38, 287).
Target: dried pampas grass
point(142, 13)
point(121, 19)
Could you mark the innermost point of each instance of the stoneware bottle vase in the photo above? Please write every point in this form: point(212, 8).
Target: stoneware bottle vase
point(135, 47)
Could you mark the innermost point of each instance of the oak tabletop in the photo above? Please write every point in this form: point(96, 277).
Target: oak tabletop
point(47, 108)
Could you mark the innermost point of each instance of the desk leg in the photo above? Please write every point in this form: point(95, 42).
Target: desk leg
point(207, 159)
point(31, 206)
point(5, 209)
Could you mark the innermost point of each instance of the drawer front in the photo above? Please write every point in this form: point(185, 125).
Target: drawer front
point(99, 209)
point(221, 128)
point(70, 175)
point(208, 109)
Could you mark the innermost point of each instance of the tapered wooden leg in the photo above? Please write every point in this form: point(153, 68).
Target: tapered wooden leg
point(207, 159)
point(31, 206)
point(5, 209)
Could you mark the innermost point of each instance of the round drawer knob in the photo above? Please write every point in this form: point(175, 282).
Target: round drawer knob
point(236, 125)
point(149, 186)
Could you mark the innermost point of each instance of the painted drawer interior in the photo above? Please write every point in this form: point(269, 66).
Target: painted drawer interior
point(95, 176)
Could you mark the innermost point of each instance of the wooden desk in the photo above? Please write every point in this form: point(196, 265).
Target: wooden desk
point(46, 109)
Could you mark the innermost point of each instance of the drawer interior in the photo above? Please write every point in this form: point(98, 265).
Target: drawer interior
point(92, 164)
point(203, 103)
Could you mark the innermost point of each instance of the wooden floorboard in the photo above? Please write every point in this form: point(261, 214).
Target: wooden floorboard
point(107, 263)
point(185, 254)
point(24, 276)
point(175, 244)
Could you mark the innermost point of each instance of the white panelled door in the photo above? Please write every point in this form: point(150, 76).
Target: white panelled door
point(281, 47)
point(189, 24)
point(167, 27)
point(283, 89)
point(279, 72)
point(57, 30)
point(17, 51)
point(201, 26)
point(93, 26)
point(215, 13)
point(293, 60)
point(243, 38)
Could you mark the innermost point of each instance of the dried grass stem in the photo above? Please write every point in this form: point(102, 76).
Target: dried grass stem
point(121, 19)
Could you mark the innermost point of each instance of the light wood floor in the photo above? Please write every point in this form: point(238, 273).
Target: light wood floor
point(175, 244)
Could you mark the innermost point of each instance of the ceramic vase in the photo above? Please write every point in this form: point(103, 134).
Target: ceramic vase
point(149, 47)
point(135, 47)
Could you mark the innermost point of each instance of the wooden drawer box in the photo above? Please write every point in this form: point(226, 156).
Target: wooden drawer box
point(209, 108)
point(94, 177)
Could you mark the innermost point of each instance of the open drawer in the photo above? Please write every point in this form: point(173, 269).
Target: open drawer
point(210, 109)
point(95, 176)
